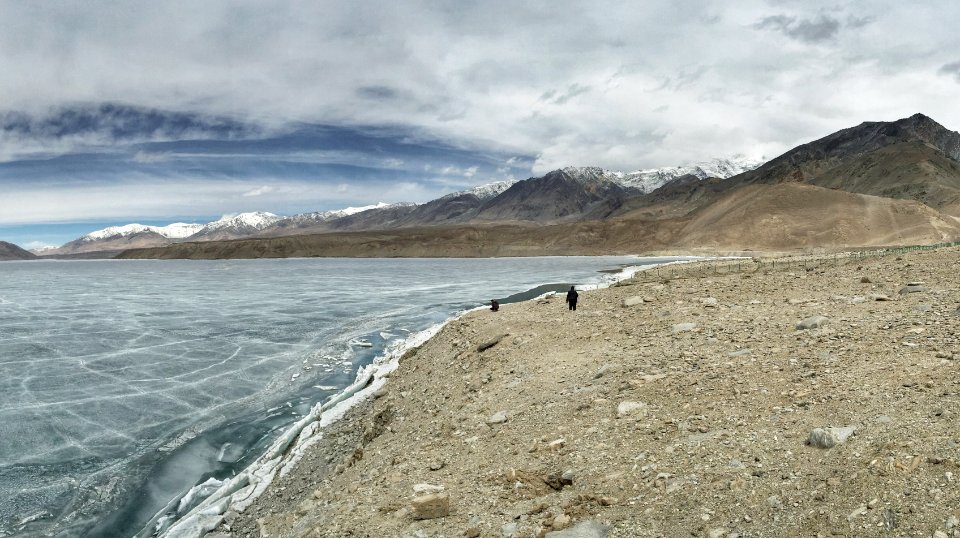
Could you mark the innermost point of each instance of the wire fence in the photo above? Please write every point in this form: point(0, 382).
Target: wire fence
point(806, 262)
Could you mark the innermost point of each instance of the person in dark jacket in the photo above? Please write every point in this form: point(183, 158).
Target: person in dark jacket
point(572, 298)
point(494, 305)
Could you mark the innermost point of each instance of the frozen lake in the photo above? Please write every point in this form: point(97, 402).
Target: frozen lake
point(125, 383)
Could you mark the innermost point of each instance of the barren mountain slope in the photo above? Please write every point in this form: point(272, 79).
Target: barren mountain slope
point(910, 170)
point(790, 215)
point(580, 238)
point(9, 251)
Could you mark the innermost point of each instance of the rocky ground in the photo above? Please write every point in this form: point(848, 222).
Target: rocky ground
point(688, 407)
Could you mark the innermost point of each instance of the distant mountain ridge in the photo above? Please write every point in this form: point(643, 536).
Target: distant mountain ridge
point(568, 194)
point(875, 184)
point(9, 251)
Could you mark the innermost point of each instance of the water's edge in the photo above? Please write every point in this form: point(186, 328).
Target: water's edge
point(213, 498)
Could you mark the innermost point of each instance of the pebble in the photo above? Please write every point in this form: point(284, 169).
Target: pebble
point(911, 288)
point(709, 302)
point(508, 530)
point(684, 327)
point(584, 529)
point(632, 301)
point(426, 488)
point(630, 408)
point(829, 437)
point(430, 506)
point(497, 418)
point(879, 297)
point(812, 322)
point(491, 342)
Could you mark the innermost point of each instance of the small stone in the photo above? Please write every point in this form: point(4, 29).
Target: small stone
point(556, 444)
point(604, 370)
point(508, 530)
point(632, 301)
point(910, 288)
point(497, 418)
point(812, 323)
point(859, 511)
point(424, 488)
point(718, 532)
point(472, 532)
point(630, 408)
point(940, 534)
point(567, 477)
point(584, 529)
point(491, 342)
point(953, 521)
point(774, 502)
point(561, 522)
point(820, 438)
point(709, 302)
point(431, 506)
point(865, 280)
point(684, 327)
point(829, 437)
point(879, 297)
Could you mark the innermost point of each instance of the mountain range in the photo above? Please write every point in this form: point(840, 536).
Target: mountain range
point(568, 194)
point(874, 184)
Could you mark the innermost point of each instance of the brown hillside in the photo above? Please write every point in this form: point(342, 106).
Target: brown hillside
point(791, 215)
point(580, 238)
point(911, 171)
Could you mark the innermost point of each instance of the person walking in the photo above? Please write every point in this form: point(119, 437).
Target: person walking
point(572, 298)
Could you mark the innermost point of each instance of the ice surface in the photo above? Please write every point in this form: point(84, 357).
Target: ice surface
point(109, 368)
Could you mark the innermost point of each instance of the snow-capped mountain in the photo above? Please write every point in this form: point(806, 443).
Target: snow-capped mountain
point(484, 192)
point(177, 230)
point(236, 226)
point(654, 178)
point(324, 216)
point(571, 193)
point(258, 220)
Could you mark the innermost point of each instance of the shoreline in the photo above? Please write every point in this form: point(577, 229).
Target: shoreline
point(662, 428)
point(236, 494)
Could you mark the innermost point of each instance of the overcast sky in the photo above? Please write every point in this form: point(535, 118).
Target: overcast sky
point(461, 93)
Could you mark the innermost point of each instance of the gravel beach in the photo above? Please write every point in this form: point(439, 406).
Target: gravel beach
point(814, 402)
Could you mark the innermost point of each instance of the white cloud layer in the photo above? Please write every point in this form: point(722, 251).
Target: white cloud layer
point(616, 84)
point(144, 201)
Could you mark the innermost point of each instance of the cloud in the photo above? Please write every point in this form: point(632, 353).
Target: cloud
point(951, 69)
point(546, 79)
point(560, 97)
point(146, 157)
point(816, 30)
point(259, 191)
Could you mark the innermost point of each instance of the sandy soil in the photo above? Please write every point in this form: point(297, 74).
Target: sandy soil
point(662, 408)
